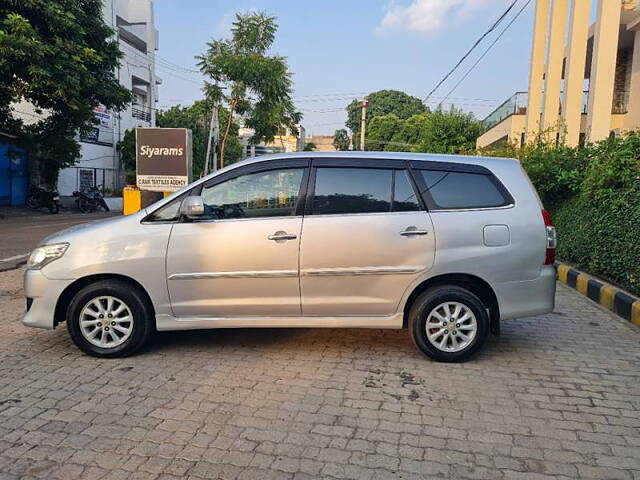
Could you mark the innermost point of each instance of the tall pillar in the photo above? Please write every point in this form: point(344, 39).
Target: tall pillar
point(632, 119)
point(603, 69)
point(574, 71)
point(553, 74)
point(536, 71)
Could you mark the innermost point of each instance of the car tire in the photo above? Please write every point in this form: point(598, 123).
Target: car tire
point(110, 319)
point(432, 330)
point(32, 202)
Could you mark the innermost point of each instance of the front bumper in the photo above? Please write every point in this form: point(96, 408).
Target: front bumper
point(42, 296)
point(527, 298)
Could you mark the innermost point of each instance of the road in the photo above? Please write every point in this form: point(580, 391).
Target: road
point(21, 231)
point(556, 396)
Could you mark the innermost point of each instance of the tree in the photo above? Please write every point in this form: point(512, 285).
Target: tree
point(59, 56)
point(195, 117)
point(381, 131)
point(309, 147)
point(450, 131)
point(341, 140)
point(382, 102)
point(259, 85)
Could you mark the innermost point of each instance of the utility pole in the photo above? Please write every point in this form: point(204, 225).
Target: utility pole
point(363, 123)
point(216, 137)
point(214, 115)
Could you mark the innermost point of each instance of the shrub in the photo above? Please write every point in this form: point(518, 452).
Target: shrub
point(603, 236)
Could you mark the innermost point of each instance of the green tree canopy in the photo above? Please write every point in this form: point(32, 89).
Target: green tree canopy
point(382, 102)
point(451, 131)
point(381, 130)
point(60, 56)
point(341, 140)
point(253, 83)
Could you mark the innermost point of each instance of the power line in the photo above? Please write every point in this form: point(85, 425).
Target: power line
point(488, 49)
point(473, 47)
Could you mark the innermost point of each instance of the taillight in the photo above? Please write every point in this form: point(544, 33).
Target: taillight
point(552, 239)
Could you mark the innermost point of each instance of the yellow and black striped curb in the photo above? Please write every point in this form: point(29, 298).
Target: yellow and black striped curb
point(612, 298)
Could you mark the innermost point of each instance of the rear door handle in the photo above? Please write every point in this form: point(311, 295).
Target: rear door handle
point(282, 236)
point(413, 231)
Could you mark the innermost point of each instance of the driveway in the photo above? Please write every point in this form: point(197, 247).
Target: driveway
point(21, 230)
point(557, 396)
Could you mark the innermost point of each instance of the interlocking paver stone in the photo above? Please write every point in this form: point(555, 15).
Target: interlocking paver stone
point(557, 396)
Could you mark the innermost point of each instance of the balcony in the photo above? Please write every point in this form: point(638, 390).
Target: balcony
point(516, 105)
point(141, 113)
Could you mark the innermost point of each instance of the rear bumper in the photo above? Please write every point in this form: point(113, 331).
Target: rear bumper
point(42, 296)
point(530, 297)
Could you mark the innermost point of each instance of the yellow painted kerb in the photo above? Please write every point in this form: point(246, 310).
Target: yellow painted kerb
point(581, 283)
point(607, 294)
point(562, 273)
point(635, 312)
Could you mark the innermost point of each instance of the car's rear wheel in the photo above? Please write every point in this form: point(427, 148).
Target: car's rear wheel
point(109, 318)
point(448, 323)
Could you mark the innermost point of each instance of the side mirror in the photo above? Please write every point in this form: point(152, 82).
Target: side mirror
point(192, 207)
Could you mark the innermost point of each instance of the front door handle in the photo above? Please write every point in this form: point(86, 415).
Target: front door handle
point(280, 235)
point(413, 231)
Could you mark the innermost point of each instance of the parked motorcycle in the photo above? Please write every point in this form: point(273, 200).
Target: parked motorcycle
point(90, 200)
point(38, 198)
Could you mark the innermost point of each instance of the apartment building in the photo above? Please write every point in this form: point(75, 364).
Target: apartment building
point(137, 37)
point(584, 80)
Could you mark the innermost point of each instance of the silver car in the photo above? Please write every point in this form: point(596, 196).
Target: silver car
point(445, 246)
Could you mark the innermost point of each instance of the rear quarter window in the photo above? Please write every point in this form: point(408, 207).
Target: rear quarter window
point(462, 190)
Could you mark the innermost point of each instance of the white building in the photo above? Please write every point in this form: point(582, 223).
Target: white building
point(138, 39)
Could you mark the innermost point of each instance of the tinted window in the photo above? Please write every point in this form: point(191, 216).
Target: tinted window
point(264, 194)
point(404, 198)
point(352, 190)
point(462, 190)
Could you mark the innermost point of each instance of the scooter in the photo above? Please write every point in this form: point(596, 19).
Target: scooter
point(90, 200)
point(38, 198)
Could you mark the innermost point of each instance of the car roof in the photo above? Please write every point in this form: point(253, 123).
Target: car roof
point(487, 162)
point(431, 157)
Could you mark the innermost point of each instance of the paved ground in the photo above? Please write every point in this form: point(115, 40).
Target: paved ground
point(557, 396)
point(22, 229)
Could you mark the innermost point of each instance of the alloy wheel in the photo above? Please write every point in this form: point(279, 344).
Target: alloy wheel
point(451, 326)
point(106, 322)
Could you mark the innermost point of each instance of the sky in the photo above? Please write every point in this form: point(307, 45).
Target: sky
point(339, 50)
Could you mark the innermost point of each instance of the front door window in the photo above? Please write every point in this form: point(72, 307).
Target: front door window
point(273, 193)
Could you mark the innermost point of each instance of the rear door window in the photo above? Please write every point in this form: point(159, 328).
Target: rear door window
point(404, 196)
point(352, 190)
point(462, 190)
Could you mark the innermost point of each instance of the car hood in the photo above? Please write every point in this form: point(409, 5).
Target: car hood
point(93, 228)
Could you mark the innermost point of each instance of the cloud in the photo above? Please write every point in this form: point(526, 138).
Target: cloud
point(425, 16)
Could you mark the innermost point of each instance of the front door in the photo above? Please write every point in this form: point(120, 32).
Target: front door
point(366, 237)
point(241, 258)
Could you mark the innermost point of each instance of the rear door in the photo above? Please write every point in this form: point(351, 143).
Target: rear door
point(366, 236)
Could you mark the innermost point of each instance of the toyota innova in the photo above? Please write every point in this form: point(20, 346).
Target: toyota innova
point(445, 246)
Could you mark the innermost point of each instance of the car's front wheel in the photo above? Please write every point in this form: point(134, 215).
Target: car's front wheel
point(448, 323)
point(109, 318)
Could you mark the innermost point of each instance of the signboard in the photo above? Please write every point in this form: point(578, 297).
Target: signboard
point(91, 137)
point(103, 114)
point(163, 159)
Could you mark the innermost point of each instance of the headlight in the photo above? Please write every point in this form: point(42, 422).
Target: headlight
point(46, 254)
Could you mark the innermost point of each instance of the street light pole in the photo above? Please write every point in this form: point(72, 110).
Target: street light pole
point(363, 123)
